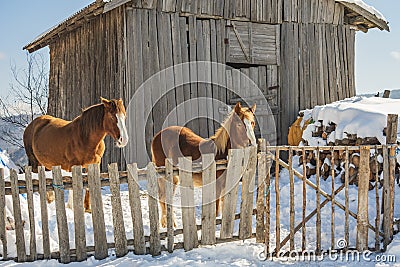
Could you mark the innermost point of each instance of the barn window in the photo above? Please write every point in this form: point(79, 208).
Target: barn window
point(253, 43)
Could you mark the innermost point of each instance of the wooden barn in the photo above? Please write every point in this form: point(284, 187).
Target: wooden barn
point(300, 53)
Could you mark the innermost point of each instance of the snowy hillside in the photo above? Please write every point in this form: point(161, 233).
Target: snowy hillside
point(14, 134)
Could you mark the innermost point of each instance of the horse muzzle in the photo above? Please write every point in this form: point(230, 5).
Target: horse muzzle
point(121, 142)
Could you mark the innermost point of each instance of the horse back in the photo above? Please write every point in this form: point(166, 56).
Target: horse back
point(174, 142)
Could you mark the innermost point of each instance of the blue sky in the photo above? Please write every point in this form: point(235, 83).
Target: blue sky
point(377, 53)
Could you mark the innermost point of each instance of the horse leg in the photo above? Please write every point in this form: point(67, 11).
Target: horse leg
point(28, 136)
point(176, 182)
point(86, 202)
point(220, 188)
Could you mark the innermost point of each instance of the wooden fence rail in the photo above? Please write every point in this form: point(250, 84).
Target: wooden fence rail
point(248, 170)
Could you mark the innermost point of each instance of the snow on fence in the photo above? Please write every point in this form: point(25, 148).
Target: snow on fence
point(258, 175)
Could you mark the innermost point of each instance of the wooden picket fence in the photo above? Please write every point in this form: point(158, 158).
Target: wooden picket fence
point(251, 168)
point(384, 204)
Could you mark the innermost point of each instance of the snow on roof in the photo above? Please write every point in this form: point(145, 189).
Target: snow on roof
point(367, 7)
point(366, 117)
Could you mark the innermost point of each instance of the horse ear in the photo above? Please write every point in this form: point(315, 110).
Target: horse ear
point(238, 107)
point(253, 108)
point(104, 101)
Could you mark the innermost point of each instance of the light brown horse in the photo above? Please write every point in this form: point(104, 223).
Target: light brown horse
point(51, 141)
point(237, 131)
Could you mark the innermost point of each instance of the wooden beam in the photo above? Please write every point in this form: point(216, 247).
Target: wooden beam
point(381, 24)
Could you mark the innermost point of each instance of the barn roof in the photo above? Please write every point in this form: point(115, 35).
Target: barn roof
point(357, 13)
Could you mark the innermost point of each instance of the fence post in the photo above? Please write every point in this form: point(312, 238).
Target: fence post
point(44, 213)
point(62, 224)
point(169, 199)
point(232, 176)
point(3, 236)
point(118, 218)
point(388, 179)
point(190, 239)
point(99, 227)
point(152, 189)
point(363, 188)
point(79, 213)
point(31, 209)
point(248, 183)
point(262, 174)
point(208, 198)
point(19, 228)
point(139, 242)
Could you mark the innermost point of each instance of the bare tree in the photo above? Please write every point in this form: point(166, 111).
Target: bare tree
point(27, 98)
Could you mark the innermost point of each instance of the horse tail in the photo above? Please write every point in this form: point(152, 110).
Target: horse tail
point(28, 138)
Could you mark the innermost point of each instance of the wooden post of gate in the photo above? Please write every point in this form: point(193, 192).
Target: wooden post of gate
point(388, 179)
point(363, 187)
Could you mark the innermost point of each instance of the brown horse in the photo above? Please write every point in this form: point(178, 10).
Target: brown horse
point(237, 131)
point(51, 141)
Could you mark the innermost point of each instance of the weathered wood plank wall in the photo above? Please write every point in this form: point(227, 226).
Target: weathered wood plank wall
point(314, 70)
point(88, 63)
point(114, 53)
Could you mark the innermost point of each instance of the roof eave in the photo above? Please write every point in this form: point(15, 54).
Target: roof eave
point(373, 21)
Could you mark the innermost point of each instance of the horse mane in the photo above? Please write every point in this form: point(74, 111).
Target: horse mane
point(221, 136)
point(91, 120)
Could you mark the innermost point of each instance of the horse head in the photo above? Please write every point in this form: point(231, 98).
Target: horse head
point(114, 121)
point(241, 130)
